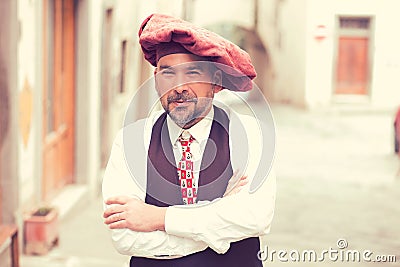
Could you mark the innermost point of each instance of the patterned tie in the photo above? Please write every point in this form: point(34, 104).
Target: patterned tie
point(185, 170)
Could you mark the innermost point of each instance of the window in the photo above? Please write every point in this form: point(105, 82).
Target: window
point(354, 23)
point(123, 67)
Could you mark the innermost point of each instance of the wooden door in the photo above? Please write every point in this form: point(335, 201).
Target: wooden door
point(353, 64)
point(352, 67)
point(59, 91)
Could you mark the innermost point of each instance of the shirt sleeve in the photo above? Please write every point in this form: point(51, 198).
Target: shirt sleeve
point(226, 220)
point(233, 218)
point(158, 244)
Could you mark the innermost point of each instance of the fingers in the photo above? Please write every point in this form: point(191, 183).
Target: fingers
point(237, 187)
point(243, 181)
point(118, 213)
point(113, 210)
point(234, 191)
point(116, 217)
point(115, 220)
point(118, 225)
point(232, 181)
point(117, 200)
point(116, 205)
point(240, 182)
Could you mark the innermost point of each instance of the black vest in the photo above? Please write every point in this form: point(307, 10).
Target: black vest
point(163, 189)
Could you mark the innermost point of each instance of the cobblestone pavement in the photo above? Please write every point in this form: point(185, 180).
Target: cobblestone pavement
point(336, 180)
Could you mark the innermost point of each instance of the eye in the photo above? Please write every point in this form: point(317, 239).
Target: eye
point(193, 72)
point(167, 72)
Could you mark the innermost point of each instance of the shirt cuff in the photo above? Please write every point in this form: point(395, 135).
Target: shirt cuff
point(190, 222)
point(175, 222)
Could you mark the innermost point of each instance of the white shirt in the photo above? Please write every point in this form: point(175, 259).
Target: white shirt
point(187, 229)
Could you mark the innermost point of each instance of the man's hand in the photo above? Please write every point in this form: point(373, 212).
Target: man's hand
point(235, 184)
point(134, 214)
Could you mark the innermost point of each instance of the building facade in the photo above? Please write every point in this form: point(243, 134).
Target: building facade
point(329, 52)
point(68, 69)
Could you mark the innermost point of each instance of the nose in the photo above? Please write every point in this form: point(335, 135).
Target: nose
point(181, 88)
point(181, 84)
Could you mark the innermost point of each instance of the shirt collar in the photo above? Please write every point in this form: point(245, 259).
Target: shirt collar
point(200, 131)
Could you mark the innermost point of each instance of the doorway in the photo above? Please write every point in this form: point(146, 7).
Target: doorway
point(353, 61)
point(59, 96)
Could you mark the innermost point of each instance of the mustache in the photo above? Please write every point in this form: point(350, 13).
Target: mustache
point(181, 97)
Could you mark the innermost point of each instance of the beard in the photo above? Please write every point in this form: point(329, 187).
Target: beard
point(191, 112)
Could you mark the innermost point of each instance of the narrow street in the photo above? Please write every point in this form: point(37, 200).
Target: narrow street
point(336, 180)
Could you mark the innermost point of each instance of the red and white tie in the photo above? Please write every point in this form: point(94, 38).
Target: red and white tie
point(185, 170)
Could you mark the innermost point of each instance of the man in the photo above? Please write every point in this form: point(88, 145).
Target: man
point(172, 196)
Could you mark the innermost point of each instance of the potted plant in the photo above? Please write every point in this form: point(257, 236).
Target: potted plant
point(41, 230)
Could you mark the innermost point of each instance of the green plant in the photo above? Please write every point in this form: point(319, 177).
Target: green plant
point(42, 211)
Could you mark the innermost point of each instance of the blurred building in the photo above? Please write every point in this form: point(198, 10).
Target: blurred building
point(68, 69)
point(327, 52)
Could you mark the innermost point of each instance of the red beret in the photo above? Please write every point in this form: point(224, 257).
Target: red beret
point(158, 30)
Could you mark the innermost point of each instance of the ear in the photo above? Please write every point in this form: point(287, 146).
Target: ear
point(217, 81)
point(155, 76)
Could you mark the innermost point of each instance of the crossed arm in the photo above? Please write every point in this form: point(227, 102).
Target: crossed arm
point(144, 230)
point(134, 214)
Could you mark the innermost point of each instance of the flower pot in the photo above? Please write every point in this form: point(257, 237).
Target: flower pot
point(41, 231)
